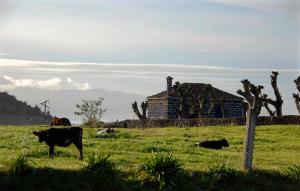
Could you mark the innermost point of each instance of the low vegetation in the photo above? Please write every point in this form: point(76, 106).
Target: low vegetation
point(127, 160)
point(163, 170)
point(20, 166)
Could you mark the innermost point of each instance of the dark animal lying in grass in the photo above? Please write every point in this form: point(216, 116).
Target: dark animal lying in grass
point(61, 137)
point(213, 144)
point(60, 121)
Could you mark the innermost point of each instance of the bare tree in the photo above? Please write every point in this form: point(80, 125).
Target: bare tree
point(144, 106)
point(184, 94)
point(266, 105)
point(214, 101)
point(91, 110)
point(251, 93)
point(277, 103)
point(296, 96)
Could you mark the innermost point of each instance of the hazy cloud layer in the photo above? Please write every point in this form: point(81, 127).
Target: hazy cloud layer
point(9, 83)
point(142, 79)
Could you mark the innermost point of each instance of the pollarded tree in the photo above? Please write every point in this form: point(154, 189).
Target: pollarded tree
point(296, 96)
point(214, 101)
point(91, 111)
point(144, 106)
point(277, 103)
point(184, 94)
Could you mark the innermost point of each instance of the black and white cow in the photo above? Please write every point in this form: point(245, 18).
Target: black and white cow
point(62, 137)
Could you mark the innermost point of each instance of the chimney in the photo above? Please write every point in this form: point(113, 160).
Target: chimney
point(169, 83)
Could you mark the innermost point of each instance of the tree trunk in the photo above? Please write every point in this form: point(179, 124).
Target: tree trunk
point(136, 110)
point(144, 107)
point(278, 101)
point(271, 113)
point(249, 139)
point(297, 101)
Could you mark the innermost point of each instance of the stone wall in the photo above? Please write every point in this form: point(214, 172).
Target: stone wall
point(173, 107)
point(157, 108)
point(264, 120)
point(234, 108)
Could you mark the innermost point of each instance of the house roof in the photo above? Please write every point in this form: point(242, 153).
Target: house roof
point(198, 89)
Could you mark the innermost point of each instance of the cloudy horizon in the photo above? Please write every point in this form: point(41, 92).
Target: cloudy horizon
point(131, 46)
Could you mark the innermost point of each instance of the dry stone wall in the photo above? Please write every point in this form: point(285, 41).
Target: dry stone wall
point(264, 120)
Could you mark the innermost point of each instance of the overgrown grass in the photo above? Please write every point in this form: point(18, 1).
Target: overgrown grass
point(293, 172)
point(100, 164)
point(19, 166)
point(163, 170)
point(276, 157)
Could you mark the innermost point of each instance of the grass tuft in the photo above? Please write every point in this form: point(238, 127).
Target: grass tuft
point(163, 170)
point(219, 176)
point(292, 172)
point(100, 164)
point(20, 166)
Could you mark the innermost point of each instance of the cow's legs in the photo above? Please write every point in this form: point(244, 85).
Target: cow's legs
point(51, 151)
point(79, 147)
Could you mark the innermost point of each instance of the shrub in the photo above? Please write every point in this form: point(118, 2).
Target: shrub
point(92, 112)
point(100, 164)
point(219, 176)
point(163, 170)
point(22, 165)
point(292, 172)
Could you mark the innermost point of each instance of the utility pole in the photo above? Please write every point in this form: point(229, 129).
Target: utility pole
point(46, 106)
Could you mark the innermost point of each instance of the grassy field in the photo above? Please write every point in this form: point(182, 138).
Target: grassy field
point(276, 148)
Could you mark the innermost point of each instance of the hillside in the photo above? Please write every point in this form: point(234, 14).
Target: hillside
point(15, 112)
point(63, 102)
point(276, 150)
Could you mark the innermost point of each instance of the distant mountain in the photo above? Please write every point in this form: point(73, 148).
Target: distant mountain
point(63, 102)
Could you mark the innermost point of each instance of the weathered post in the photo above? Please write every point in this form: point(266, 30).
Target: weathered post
point(253, 105)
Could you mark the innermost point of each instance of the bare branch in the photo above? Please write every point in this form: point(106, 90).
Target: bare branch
point(136, 109)
point(297, 101)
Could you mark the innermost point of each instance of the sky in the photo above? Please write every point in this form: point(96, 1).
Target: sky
point(132, 45)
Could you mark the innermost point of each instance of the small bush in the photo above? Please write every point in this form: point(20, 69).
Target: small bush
point(219, 176)
point(292, 172)
point(22, 165)
point(100, 164)
point(163, 170)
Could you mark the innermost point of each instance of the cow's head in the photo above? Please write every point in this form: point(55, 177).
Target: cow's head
point(225, 143)
point(41, 134)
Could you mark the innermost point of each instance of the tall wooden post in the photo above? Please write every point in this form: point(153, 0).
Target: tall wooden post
point(249, 139)
point(251, 94)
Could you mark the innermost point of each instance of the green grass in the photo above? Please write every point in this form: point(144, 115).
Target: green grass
point(276, 148)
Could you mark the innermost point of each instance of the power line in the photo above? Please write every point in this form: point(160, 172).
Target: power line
point(44, 104)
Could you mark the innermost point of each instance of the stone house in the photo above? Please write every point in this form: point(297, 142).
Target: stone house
point(168, 104)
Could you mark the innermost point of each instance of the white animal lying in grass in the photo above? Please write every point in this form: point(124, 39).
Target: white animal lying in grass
point(105, 131)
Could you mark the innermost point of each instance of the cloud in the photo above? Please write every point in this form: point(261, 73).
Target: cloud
point(119, 68)
point(10, 83)
point(286, 6)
